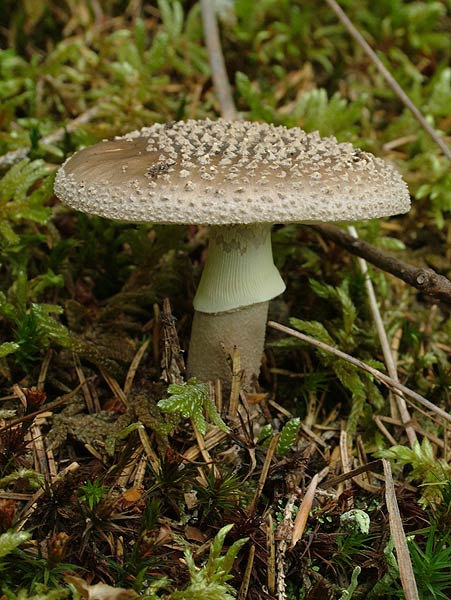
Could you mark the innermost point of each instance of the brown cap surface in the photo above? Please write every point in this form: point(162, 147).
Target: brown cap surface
point(229, 172)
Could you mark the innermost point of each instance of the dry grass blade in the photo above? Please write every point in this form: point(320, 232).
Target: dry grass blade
point(46, 407)
point(388, 381)
point(388, 77)
point(204, 451)
point(217, 62)
point(304, 511)
point(350, 475)
point(244, 588)
point(150, 453)
point(84, 386)
point(399, 537)
point(264, 474)
point(386, 350)
point(114, 386)
point(212, 438)
point(134, 367)
point(271, 554)
point(236, 385)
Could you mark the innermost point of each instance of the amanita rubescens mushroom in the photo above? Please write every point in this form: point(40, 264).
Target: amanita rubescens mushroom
point(239, 178)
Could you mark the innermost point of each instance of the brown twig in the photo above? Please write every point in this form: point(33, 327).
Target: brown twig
point(44, 408)
point(422, 278)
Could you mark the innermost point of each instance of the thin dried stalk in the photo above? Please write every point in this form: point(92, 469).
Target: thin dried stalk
point(84, 385)
point(388, 381)
point(126, 473)
point(349, 475)
point(379, 422)
point(388, 77)
point(134, 367)
point(386, 350)
point(271, 554)
point(150, 453)
point(204, 452)
point(114, 386)
point(217, 62)
point(44, 369)
point(304, 511)
point(264, 474)
point(407, 577)
point(212, 438)
point(242, 593)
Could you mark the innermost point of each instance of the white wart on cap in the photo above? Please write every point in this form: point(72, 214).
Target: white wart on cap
point(222, 172)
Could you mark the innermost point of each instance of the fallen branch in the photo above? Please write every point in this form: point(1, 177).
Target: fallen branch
point(422, 278)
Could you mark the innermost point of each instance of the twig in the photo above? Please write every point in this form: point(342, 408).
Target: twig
point(284, 535)
point(388, 381)
point(46, 407)
point(424, 279)
point(406, 575)
point(204, 451)
point(350, 474)
point(242, 593)
point(217, 63)
point(128, 384)
point(271, 554)
point(237, 376)
point(264, 473)
point(388, 77)
point(386, 350)
point(304, 510)
point(14, 156)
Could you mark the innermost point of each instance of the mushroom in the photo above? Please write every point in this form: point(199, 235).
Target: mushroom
point(240, 178)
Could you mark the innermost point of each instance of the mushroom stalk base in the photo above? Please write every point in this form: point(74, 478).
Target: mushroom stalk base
point(214, 336)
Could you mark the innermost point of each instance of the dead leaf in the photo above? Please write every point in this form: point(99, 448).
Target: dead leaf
point(99, 591)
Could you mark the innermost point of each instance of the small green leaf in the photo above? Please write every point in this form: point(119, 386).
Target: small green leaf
point(10, 540)
point(190, 399)
point(8, 348)
point(288, 436)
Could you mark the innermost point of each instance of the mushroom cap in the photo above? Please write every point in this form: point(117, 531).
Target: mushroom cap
point(229, 172)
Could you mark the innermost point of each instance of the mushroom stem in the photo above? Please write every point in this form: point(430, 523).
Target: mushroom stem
point(214, 336)
point(231, 303)
point(239, 270)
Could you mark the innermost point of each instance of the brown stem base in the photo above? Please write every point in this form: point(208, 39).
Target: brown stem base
point(214, 336)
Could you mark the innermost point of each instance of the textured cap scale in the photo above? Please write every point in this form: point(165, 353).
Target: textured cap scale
point(229, 172)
